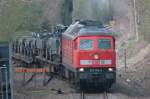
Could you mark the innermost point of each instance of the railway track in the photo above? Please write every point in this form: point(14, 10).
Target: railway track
point(104, 95)
point(82, 95)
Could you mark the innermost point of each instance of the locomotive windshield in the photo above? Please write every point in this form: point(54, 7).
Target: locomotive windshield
point(87, 44)
point(104, 44)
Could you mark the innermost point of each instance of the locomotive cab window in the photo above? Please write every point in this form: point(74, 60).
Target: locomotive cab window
point(86, 44)
point(104, 44)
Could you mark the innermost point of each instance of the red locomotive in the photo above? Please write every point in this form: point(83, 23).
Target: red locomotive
point(88, 53)
point(84, 53)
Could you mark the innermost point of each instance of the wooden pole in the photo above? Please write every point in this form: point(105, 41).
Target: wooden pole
point(125, 59)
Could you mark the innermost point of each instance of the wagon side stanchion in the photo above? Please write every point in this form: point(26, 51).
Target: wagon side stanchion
point(24, 77)
point(26, 81)
point(44, 76)
point(46, 79)
point(34, 74)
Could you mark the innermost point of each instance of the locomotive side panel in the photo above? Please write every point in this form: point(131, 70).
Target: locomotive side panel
point(67, 52)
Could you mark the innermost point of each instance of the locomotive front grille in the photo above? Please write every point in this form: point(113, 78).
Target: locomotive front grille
point(97, 77)
point(97, 74)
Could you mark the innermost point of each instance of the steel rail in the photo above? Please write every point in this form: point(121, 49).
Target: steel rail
point(82, 95)
point(105, 95)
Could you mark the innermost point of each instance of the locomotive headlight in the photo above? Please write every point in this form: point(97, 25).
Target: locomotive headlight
point(110, 69)
point(81, 70)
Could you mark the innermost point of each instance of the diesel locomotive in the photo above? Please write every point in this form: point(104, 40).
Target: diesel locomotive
point(84, 52)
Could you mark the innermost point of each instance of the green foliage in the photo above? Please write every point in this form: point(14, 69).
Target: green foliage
point(67, 12)
point(18, 16)
point(119, 8)
point(143, 10)
point(98, 10)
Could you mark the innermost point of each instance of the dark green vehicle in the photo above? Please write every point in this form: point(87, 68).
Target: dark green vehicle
point(5, 71)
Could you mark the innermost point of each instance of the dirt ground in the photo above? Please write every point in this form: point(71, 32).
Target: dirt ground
point(60, 89)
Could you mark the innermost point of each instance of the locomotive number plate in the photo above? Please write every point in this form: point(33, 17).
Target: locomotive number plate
point(94, 70)
point(95, 62)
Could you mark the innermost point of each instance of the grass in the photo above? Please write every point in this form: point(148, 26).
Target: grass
point(41, 93)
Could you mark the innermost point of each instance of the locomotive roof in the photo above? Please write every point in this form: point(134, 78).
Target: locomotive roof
point(78, 29)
